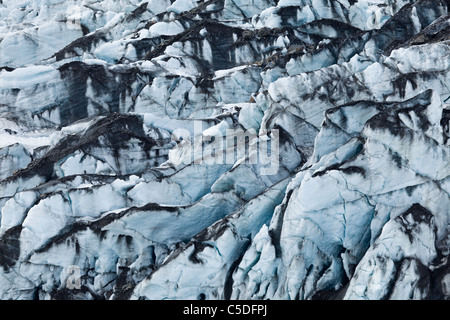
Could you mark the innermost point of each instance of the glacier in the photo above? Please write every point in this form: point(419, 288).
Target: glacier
point(135, 138)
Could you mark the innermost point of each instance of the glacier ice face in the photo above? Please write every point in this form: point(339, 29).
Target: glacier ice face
point(118, 156)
